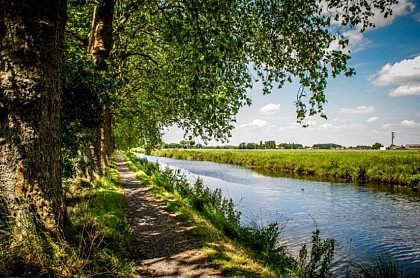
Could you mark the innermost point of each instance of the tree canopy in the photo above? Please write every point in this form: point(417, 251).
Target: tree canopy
point(190, 63)
point(134, 67)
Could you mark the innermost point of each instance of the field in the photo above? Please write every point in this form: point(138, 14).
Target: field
point(385, 167)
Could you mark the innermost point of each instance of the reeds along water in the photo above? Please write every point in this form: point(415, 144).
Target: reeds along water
point(363, 220)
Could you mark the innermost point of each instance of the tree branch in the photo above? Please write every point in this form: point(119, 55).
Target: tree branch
point(127, 55)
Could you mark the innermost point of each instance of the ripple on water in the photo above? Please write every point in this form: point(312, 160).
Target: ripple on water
point(363, 221)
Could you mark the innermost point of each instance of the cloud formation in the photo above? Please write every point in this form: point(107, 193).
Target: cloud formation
point(270, 109)
point(403, 7)
point(404, 74)
point(361, 109)
point(256, 123)
point(372, 119)
point(410, 123)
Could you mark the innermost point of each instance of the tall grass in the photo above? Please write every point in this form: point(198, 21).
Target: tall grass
point(96, 240)
point(261, 240)
point(382, 266)
point(385, 167)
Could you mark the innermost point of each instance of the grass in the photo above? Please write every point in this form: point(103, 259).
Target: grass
point(240, 251)
point(385, 167)
point(98, 236)
point(381, 266)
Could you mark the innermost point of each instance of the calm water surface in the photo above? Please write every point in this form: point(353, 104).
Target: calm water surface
point(362, 220)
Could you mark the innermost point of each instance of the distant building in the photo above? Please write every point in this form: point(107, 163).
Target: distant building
point(412, 146)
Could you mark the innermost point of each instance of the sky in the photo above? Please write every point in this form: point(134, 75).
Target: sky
point(383, 96)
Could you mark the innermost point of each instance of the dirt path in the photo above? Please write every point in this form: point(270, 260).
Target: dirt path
point(161, 246)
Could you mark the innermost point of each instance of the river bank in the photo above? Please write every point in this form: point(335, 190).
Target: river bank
point(365, 221)
point(238, 250)
point(395, 168)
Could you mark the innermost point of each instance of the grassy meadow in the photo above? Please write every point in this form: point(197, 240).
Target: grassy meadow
point(384, 167)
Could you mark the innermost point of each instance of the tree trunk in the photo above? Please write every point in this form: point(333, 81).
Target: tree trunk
point(31, 53)
point(107, 141)
point(100, 45)
point(101, 41)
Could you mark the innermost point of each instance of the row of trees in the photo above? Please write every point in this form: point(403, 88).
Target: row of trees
point(271, 144)
point(74, 86)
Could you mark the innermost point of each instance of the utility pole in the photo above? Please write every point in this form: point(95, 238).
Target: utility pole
point(392, 138)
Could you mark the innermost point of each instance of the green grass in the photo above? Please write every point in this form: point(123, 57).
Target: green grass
point(381, 267)
point(97, 237)
point(385, 167)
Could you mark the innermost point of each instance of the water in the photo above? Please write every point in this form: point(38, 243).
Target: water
point(362, 220)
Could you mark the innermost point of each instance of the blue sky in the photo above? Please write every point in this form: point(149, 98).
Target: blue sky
point(383, 96)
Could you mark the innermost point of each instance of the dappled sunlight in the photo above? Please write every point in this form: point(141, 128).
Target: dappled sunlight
point(161, 246)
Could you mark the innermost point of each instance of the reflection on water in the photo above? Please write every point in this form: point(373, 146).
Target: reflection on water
point(363, 220)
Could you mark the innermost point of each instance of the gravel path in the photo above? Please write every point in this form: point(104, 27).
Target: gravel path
point(161, 246)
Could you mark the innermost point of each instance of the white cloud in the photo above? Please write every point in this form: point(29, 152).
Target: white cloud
point(405, 72)
point(356, 39)
point(256, 123)
point(409, 123)
point(327, 125)
point(405, 75)
point(406, 90)
point(311, 123)
point(361, 109)
point(403, 7)
point(387, 125)
point(270, 109)
point(372, 119)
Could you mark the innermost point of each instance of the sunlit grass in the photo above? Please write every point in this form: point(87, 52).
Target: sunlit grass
point(239, 251)
point(233, 260)
point(95, 240)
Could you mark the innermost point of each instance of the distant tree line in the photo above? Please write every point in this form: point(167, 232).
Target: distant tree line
point(271, 144)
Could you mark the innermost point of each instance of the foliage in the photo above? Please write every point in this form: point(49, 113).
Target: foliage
point(190, 63)
point(377, 146)
point(327, 146)
point(387, 167)
point(85, 90)
point(320, 258)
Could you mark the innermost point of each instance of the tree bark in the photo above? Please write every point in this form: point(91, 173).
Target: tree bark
point(101, 40)
point(31, 55)
point(100, 45)
point(107, 141)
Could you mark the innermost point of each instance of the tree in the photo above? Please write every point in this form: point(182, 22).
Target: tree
point(242, 145)
point(31, 54)
point(191, 62)
point(377, 146)
point(270, 144)
point(187, 63)
point(251, 146)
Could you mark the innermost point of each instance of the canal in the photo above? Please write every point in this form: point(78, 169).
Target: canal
point(363, 221)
